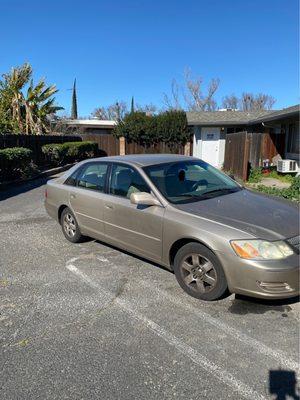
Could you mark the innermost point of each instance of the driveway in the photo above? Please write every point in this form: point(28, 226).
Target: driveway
point(88, 321)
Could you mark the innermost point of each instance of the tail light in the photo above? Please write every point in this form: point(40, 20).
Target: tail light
point(46, 194)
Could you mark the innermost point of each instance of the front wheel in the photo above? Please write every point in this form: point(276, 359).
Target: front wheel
point(70, 226)
point(199, 272)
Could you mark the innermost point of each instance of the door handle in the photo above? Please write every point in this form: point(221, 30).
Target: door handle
point(108, 206)
point(73, 196)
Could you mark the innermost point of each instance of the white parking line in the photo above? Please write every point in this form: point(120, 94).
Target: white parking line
point(258, 346)
point(242, 337)
point(199, 359)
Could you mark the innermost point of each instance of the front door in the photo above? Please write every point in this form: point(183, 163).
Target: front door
point(210, 145)
point(134, 227)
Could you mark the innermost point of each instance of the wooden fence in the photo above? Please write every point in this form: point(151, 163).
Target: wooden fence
point(244, 150)
point(34, 143)
point(109, 145)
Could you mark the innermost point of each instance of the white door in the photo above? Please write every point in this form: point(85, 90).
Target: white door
point(210, 145)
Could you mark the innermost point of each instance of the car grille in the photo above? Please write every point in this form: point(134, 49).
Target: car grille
point(295, 242)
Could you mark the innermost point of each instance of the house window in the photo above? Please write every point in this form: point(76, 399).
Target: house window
point(293, 143)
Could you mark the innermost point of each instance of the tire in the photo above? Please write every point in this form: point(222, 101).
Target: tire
point(70, 226)
point(199, 272)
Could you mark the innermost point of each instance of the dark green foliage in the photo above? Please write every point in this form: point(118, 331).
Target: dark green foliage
point(255, 175)
point(169, 127)
point(74, 113)
point(291, 193)
point(61, 153)
point(14, 162)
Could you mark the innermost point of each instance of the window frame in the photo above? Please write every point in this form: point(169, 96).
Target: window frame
point(146, 171)
point(112, 164)
point(80, 169)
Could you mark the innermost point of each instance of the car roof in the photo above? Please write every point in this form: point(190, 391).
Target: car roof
point(143, 160)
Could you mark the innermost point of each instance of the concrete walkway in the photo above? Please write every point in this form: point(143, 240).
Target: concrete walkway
point(272, 182)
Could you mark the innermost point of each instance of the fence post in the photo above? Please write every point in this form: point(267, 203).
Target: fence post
point(187, 149)
point(246, 158)
point(122, 146)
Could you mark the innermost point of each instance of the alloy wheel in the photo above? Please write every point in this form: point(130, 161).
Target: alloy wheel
point(69, 225)
point(198, 273)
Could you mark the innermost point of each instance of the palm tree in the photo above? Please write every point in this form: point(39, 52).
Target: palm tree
point(30, 112)
point(39, 105)
point(16, 80)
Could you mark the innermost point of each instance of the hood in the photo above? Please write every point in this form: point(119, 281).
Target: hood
point(256, 214)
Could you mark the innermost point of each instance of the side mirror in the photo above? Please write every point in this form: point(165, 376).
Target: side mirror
point(144, 198)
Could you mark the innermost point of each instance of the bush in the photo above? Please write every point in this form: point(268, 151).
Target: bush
point(169, 127)
point(61, 153)
point(255, 175)
point(291, 193)
point(14, 162)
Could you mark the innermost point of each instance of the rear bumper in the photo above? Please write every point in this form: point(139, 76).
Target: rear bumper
point(275, 279)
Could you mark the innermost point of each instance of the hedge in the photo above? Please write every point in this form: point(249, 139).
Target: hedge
point(60, 153)
point(14, 161)
point(167, 127)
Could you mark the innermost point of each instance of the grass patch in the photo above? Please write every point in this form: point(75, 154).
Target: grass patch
point(292, 193)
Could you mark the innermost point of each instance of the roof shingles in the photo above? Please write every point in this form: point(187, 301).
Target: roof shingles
point(219, 118)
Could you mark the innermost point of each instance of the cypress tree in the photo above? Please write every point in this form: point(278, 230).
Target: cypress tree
point(74, 114)
point(132, 105)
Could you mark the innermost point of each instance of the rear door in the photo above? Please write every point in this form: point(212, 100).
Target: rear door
point(86, 197)
point(137, 228)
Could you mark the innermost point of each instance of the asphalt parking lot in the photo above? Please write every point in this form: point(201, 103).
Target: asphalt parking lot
point(88, 321)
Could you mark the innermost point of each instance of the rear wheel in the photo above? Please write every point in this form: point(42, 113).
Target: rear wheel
point(70, 226)
point(199, 272)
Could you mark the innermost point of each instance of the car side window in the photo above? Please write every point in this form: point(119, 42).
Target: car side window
point(126, 180)
point(93, 176)
point(72, 179)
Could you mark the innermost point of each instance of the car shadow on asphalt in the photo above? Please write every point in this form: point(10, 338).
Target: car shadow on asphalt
point(134, 256)
point(243, 305)
point(240, 304)
point(16, 189)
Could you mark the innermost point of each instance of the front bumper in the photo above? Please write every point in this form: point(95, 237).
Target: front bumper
point(274, 279)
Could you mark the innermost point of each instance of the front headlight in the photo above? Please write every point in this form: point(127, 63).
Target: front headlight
point(261, 249)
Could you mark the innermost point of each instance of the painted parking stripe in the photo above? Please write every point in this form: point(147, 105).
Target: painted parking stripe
point(242, 337)
point(240, 387)
point(258, 346)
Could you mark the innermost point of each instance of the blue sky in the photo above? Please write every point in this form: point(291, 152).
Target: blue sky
point(117, 48)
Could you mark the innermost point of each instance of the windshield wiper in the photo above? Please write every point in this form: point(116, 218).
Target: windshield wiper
point(220, 190)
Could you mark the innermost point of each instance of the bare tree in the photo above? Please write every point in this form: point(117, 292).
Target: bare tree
point(261, 101)
point(146, 108)
point(231, 101)
point(115, 111)
point(172, 101)
point(100, 113)
point(194, 97)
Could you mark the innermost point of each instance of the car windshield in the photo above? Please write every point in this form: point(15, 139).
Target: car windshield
point(189, 181)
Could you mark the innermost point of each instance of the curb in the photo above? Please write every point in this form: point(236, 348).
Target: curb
point(43, 174)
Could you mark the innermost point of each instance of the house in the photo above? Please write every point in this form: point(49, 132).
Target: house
point(87, 126)
point(211, 127)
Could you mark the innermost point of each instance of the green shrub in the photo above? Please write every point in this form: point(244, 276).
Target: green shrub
point(169, 127)
point(81, 150)
point(61, 153)
point(255, 175)
point(14, 161)
point(291, 193)
point(288, 178)
point(55, 153)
